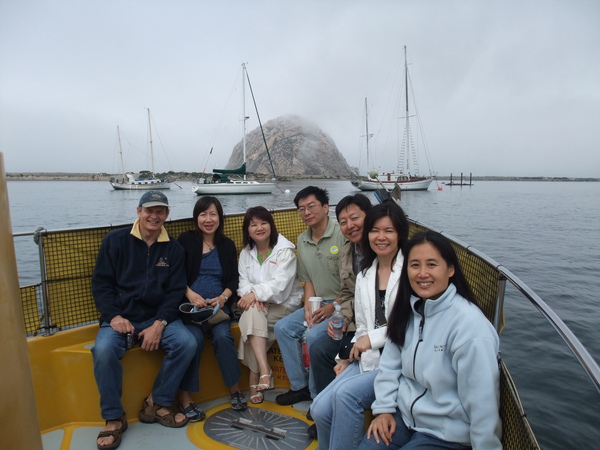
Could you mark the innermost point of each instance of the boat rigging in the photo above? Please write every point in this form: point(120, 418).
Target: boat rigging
point(407, 161)
point(128, 181)
point(219, 182)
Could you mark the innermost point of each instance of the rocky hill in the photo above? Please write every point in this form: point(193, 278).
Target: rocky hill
point(297, 148)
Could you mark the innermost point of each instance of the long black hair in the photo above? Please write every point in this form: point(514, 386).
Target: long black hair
point(202, 205)
point(401, 311)
point(386, 209)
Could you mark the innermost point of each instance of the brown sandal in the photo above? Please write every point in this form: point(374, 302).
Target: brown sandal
point(148, 414)
point(115, 434)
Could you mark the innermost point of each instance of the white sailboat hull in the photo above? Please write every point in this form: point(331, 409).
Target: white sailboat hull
point(233, 187)
point(130, 183)
point(417, 184)
point(143, 185)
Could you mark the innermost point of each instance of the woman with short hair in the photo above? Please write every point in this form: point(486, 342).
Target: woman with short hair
point(269, 290)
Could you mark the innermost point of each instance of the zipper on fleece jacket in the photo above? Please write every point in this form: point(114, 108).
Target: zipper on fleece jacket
point(147, 269)
point(412, 405)
point(421, 325)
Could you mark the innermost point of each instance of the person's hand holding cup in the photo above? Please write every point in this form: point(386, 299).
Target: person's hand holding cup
point(315, 303)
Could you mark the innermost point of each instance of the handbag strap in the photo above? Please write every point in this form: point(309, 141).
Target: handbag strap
point(380, 319)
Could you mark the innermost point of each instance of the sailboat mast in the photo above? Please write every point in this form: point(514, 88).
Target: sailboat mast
point(151, 148)
point(244, 113)
point(367, 131)
point(406, 81)
point(121, 152)
point(404, 157)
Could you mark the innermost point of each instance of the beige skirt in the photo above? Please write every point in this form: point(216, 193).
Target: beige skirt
point(258, 323)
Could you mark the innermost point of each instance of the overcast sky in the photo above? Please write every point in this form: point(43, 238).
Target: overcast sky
point(502, 87)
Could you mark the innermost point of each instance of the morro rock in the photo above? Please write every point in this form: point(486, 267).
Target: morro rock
point(297, 148)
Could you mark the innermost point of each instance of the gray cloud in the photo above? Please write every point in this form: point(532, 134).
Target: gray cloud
point(502, 88)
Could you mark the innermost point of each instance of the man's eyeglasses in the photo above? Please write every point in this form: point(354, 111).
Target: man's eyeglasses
point(311, 207)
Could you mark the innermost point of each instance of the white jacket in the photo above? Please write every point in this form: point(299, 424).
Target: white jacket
point(445, 379)
point(274, 281)
point(364, 310)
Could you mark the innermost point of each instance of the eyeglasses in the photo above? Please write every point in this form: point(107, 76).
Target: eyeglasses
point(311, 207)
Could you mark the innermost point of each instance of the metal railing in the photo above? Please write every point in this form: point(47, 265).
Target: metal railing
point(584, 358)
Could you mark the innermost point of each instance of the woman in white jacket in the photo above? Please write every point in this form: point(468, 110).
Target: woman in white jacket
point(268, 291)
point(339, 409)
point(438, 381)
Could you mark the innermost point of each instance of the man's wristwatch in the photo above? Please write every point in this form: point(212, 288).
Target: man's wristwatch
point(163, 321)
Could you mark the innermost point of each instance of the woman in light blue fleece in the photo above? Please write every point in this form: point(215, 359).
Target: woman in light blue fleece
point(438, 385)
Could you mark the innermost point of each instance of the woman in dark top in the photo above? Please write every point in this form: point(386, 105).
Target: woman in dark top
point(212, 277)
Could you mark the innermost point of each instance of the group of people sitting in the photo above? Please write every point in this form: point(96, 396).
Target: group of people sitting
point(416, 350)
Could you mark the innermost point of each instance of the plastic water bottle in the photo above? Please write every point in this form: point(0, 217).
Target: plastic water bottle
point(337, 322)
point(305, 354)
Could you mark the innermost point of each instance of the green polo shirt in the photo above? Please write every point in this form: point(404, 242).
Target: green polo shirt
point(319, 263)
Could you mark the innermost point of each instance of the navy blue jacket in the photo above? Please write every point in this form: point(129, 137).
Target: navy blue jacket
point(136, 281)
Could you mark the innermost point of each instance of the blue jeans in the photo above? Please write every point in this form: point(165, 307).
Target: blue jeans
point(289, 332)
point(225, 351)
point(339, 410)
point(322, 350)
point(110, 346)
point(406, 439)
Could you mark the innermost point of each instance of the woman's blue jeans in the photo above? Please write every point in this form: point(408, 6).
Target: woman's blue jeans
point(339, 410)
point(225, 352)
point(109, 349)
point(407, 439)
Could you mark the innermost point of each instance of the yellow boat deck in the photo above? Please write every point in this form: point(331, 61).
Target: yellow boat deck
point(68, 400)
point(82, 435)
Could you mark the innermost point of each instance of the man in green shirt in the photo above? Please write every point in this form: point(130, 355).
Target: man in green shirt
point(318, 268)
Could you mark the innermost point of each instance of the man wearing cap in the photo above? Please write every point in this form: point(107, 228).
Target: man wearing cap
point(137, 284)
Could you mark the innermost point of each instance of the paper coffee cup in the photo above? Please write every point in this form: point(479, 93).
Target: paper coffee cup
point(315, 303)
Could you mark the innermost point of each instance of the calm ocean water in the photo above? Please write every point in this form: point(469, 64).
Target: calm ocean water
point(546, 233)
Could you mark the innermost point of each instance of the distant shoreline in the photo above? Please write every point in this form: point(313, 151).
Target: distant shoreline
point(56, 176)
point(67, 176)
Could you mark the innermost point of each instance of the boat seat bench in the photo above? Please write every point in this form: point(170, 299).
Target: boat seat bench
point(78, 400)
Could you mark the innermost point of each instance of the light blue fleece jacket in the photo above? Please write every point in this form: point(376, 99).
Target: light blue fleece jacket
point(445, 379)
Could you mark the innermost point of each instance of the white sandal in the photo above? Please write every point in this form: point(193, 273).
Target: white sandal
point(265, 386)
point(258, 397)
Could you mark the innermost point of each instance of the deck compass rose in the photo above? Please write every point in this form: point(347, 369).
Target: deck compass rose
point(254, 428)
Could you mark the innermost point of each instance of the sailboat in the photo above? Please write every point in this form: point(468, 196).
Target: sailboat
point(219, 182)
point(406, 180)
point(128, 180)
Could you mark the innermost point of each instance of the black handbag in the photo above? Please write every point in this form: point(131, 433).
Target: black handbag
point(200, 316)
point(346, 345)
